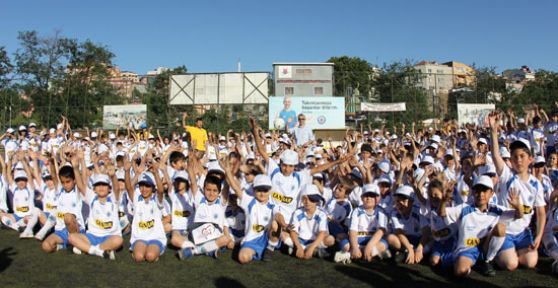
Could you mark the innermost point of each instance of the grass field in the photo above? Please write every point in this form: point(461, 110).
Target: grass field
point(23, 264)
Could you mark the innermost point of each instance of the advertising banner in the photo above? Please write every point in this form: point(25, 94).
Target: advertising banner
point(473, 113)
point(382, 107)
point(320, 112)
point(133, 116)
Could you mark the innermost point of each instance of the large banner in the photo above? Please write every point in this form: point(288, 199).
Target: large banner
point(473, 113)
point(382, 107)
point(320, 112)
point(133, 116)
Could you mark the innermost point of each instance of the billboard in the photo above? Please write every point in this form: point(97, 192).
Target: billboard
point(382, 107)
point(320, 112)
point(132, 116)
point(219, 88)
point(473, 113)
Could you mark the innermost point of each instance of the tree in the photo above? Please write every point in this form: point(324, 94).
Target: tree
point(399, 82)
point(6, 67)
point(351, 72)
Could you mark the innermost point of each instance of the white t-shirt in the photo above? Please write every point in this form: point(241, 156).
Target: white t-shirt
point(22, 201)
point(69, 202)
point(182, 214)
point(410, 224)
point(531, 196)
point(147, 224)
point(474, 224)
point(308, 227)
point(103, 217)
point(285, 190)
point(339, 211)
point(258, 217)
point(438, 227)
point(365, 223)
point(209, 212)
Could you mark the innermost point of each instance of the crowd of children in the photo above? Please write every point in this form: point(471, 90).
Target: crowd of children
point(458, 196)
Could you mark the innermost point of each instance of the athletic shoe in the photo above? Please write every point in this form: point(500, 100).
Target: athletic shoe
point(555, 267)
point(76, 251)
point(109, 254)
point(342, 257)
point(59, 247)
point(9, 223)
point(185, 253)
point(487, 269)
point(267, 253)
point(39, 236)
point(26, 235)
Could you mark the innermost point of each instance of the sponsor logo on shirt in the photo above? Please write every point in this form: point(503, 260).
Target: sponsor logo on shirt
point(257, 228)
point(181, 213)
point(144, 225)
point(60, 215)
point(281, 198)
point(51, 206)
point(103, 225)
point(121, 214)
point(472, 242)
point(365, 233)
point(22, 209)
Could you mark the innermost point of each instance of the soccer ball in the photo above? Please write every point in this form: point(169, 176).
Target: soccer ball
point(279, 124)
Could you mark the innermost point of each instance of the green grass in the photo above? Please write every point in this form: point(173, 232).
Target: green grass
point(23, 264)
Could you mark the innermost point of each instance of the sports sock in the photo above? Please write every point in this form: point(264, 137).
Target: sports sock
point(206, 248)
point(95, 250)
point(44, 230)
point(375, 251)
point(272, 245)
point(494, 246)
point(32, 221)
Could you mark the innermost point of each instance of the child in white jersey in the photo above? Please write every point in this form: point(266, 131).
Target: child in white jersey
point(69, 218)
point(25, 213)
point(209, 232)
point(368, 224)
point(308, 228)
point(148, 239)
point(260, 225)
point(49, 198)
point(406, 227)
point(481, 227)
point(338, 209)
point(104, 234)
point(520, 248)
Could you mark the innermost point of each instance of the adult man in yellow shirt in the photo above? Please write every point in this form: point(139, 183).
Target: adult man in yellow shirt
point(198, 135)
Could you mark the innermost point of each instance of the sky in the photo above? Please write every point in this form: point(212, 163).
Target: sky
point(212, 36)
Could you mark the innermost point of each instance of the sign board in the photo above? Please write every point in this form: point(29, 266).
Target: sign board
point(284, 72)
point(133, 116)
point(219, 88)
point(382, 107)
point(320, 112)
point(473, 113)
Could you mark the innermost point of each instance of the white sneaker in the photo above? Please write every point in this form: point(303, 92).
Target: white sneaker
point(9, 223)
point(26, 235)
point(188, 244)
point(109, 254)
point(342, 257)
point(385, 255)
point(76, 251)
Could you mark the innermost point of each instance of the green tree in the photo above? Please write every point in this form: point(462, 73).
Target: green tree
point(6, 67)
point(399, 82)
point(351, 73)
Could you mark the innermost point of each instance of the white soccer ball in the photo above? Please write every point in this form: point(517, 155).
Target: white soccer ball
point(279, 123)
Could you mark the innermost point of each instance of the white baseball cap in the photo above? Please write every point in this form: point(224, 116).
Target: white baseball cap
point(52, 130)
point(504, 152)
point(384, 166)
point(10, 130)
point(483, 181)
point(520, 143)
point(483, 141)
point(32, 124)
point(112, 136)
point(436, 138)
point(405, 191)
point(262, 181)
point(93, 134)
point(222, 138)
point(101, 179)
point(540, 160)
point(77, 135)
point(22, 128)
point(312, 192)
point(289, 157)
point(147, 179)
point(181, 174)
point(20, 174)
point(427, 159)
point(384, 179)
point(370, 189)
point(214, 167)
